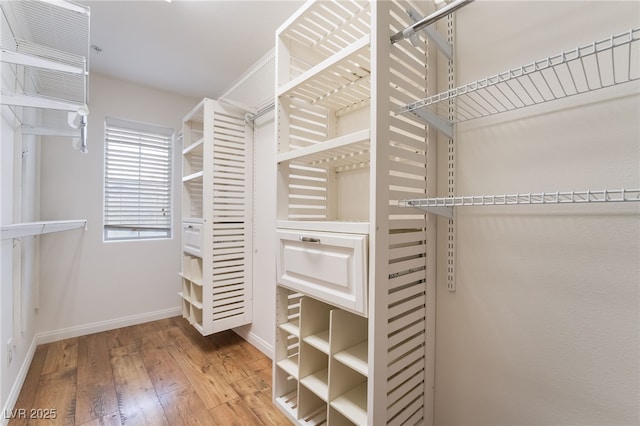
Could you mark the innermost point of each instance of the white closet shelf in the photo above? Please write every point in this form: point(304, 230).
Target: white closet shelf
point(341, 81)
point(26, 229)
point(320, 341)
point(605, 63)
point(290, 366)
point(196, 281)
point(325, 30)
point(193, 177)
point(341, 152)
point(343, 227)
point(318, 383)
point(353, 404)
point(291, 328)
point(444, 205)
point(194, 148)
point(356, 358)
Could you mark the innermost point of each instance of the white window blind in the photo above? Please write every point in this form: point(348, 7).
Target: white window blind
point(137, 186)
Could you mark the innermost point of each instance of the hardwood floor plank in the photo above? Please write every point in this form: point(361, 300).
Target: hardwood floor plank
point(96, 393)
point(112, 419)
point(261, 404)
point(62, 359)
point(185, 408)
point(159, 373)
point(55, 395)
point(164, 372)
point(137, 400)
point(234, 413)
point(123, 340)
point(208, 384)
point(29, 387)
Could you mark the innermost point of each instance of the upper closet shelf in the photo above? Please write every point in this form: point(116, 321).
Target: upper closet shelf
point(594, 66)
point(47, 46)
point(342, 152)
point(26, 229)
point(444, 205)
point(338, 82)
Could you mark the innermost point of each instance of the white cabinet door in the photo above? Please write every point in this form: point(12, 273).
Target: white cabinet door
point(330, 267)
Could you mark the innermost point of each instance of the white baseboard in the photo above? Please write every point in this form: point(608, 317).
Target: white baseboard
point(97, 327)
point(255, 340)
point(17, 385)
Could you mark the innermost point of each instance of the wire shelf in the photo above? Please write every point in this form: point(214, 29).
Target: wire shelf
point(594, 66)
point(440, 205)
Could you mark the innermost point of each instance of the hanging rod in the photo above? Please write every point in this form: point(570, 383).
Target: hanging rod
point(444, 205)
point(428, 20)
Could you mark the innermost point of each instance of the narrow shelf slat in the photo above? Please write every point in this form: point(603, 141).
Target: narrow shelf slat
point(353, 404)
point(18, 230)
point(319, 341)
point(356, 358)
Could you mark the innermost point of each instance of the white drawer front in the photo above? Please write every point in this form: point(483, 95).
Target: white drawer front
point(330, 267)
point(192, 238)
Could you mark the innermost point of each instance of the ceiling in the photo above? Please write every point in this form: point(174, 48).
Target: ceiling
point(189, 47)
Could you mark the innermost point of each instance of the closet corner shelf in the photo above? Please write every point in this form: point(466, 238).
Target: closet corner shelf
point(341, 152)
point(601, 64)
point(26, 229)
point(196, 281)
point(444, 205)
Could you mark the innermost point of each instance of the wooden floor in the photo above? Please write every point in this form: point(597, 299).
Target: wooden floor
point(158, 373)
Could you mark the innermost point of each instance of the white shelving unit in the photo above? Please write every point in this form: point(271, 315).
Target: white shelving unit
point(51, 80)
point(53, 71)
point(216, 218)
point(321, 376)
point(344, 162)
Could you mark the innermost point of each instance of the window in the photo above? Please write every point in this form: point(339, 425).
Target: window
point(137, 180)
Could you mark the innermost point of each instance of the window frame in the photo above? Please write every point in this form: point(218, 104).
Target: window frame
point(137, 130)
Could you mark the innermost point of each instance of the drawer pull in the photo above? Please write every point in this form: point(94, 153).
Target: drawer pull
point(189, 226)
point(309, 240)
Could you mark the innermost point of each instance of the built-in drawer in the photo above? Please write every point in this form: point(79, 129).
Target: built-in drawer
point(331, 267)
point(192, 237)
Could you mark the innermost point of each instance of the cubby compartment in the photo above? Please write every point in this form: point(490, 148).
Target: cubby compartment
point(309, 376)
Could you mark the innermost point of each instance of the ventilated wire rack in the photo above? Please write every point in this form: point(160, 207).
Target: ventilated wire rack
point(594, 66)
point(588, 196)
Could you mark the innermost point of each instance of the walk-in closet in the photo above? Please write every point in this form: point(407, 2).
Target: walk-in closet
point(320, 212)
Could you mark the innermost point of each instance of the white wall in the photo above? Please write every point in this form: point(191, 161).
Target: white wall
point(87, 284)
point(543, 326)
point(261, 332)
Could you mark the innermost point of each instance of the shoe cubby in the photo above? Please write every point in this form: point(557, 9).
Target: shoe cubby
point(320, 373)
